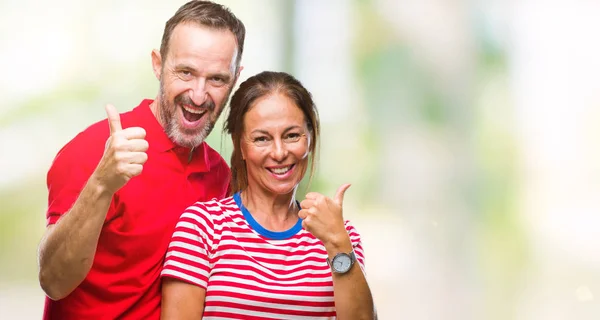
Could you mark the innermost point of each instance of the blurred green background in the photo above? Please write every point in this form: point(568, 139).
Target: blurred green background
point(470, 131)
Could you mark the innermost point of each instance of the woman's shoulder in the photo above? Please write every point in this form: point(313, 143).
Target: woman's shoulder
point(213, 207)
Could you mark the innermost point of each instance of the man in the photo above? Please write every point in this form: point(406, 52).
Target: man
point(117, 189)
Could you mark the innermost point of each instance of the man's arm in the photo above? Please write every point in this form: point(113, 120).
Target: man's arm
point(66, 252)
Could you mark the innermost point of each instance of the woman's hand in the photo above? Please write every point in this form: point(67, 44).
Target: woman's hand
point(323, 217)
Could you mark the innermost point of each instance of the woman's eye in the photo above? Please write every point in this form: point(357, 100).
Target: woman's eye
point(292, 137)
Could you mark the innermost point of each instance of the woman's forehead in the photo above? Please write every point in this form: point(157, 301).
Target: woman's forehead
point(273, 111)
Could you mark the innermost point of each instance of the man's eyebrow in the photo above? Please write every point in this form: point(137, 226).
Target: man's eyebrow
point(183, 66)
point(226, 76)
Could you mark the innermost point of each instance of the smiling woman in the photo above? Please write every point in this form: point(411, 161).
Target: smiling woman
point(275, 156)
point(260, 252)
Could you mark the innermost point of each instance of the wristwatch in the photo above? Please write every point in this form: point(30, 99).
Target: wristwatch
point(342, 262)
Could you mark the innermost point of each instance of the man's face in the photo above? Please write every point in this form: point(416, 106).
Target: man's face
point(196, 79)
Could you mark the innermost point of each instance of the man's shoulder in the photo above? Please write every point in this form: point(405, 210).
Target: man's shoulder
point(214, 157)
point(86, 145)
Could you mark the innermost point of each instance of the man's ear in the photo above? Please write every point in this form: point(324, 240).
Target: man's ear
point(237, 75)
point(156, 63)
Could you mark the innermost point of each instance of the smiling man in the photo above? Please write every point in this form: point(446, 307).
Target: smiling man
point(117, 189)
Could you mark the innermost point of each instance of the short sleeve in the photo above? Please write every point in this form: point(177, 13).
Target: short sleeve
point(70, 171)
point(356, 241)
point(188, 254)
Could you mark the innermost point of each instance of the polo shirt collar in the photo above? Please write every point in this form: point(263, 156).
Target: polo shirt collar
point(159, 141)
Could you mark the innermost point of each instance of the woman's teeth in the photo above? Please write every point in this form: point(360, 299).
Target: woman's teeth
point(280, 170)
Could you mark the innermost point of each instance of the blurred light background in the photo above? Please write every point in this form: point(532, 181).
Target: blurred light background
point(470, 131)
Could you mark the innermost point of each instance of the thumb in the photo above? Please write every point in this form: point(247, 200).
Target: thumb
point(339, 195)
point(114, 119)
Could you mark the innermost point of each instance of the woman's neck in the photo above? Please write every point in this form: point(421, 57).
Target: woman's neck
point(272, 212)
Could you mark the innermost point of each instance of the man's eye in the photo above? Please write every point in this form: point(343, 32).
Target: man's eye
point(185, 73)
point(218, 80)
point(260, 139)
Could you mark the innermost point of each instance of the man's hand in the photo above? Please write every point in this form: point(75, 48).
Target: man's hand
point(124, 153)
point(323, 217)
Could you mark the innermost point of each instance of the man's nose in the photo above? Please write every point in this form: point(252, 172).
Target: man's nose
point(198, 93)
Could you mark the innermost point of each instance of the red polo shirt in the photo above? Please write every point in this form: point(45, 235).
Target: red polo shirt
point(124, 280)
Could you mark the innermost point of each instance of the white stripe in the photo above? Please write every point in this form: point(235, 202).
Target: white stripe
point(180, 244)
point(187, 257)
point(197, 217)
point(187, 267)
point(237, 290)
point(184, 233)
point(245, 313)
point(174, 273)
point(252, 303)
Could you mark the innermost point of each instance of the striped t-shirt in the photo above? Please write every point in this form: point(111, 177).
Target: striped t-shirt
point(250, 272)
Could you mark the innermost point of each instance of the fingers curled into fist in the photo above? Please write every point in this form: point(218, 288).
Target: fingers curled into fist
point(124, 153)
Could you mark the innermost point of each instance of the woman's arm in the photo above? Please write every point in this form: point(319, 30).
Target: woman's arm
point(352, 296)
point(186, 269)
point(181, 300)
point(324, 219)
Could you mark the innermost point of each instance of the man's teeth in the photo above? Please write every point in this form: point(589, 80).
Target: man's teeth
point(193, 111)
point(281, 170)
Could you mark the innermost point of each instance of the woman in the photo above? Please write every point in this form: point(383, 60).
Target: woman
point(260, 253)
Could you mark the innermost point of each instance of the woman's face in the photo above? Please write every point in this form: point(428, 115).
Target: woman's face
point(275, 144)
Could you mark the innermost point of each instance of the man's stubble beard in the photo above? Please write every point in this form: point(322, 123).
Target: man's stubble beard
point(171, 127)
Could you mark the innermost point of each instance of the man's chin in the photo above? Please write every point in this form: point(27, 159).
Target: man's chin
point(190, 138)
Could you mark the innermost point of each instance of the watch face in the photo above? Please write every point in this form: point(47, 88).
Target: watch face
point(341, 263)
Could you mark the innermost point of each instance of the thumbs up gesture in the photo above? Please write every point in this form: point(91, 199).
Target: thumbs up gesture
point(124, 153)
point(323, 216)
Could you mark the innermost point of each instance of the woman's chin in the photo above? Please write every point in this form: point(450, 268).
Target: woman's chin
point(284, 190)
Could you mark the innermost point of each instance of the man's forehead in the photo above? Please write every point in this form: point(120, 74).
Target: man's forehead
point(197, 45)
point(195, 37)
